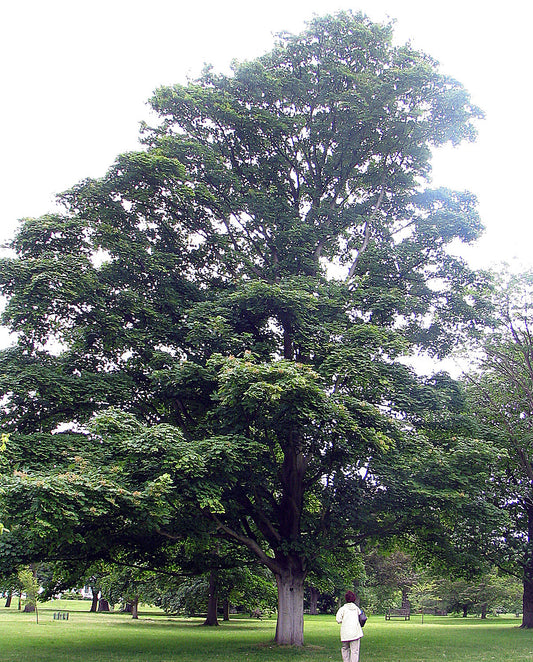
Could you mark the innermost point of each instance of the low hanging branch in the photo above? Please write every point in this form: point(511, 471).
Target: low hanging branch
point(366, 237)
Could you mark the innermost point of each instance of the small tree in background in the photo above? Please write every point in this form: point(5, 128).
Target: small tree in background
point(30, 586)
point(392, 576)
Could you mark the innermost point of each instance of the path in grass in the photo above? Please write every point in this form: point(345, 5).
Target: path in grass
point(154, 637)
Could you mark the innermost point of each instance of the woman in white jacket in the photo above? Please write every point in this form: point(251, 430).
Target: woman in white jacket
point(351, 630)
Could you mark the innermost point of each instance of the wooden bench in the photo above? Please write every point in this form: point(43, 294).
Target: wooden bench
point(61, 615)
point(404, 613)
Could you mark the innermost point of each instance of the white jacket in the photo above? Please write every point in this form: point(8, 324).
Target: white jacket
point(348, 617)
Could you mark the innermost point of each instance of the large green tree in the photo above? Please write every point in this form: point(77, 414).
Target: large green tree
point(246, 286)
point(501, 392)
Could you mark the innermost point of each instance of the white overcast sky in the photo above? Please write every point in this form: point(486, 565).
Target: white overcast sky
point(75, 76)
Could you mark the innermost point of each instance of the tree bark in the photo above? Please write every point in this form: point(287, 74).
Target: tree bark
point(290, 623)
point(135, 607)
point(8, 599)
point(94, 601)
point(313, 600)
point(527, 598)
point(103, 605)
point(212, 601)
point(226, 610)
point(527, 602)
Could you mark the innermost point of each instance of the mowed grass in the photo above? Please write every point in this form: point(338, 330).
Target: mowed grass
point(155, 637)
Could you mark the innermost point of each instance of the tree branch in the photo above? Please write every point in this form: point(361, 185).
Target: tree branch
point(366, 238)
point(249, 543)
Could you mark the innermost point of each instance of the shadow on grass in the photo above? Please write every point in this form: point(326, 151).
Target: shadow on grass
point(179, 623)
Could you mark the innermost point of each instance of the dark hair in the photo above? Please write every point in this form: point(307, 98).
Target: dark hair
point(350, 596)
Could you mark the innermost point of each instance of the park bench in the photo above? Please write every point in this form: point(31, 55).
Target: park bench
point(403, 612)
point(61, 615)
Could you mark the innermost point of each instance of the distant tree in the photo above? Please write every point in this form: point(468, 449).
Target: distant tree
point(489, 593)
point(337, 571)
point(390, 574)
point(248, 587)
point(10, 586)
point(30, 586)
point(425, 595)
point(501, 393)
point(127, 586)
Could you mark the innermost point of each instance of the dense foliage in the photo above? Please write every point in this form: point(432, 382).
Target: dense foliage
point(233, 304)
point(501, 394)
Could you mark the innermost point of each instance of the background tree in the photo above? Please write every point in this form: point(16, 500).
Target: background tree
point(487, 593)
point(191, 286)
point(30, 586)
point(501, 392)
point(10, 586)
point(127, 586)
point(249, 587)
point(336, 571)
point(425, 596)
point(391, 577)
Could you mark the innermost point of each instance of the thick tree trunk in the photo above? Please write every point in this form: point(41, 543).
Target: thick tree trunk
point(290, 569)
point(313, 600)
point(135, 607)
point(290, 624)
point(226, 610)
point(484, 610)
point(8, 599)
point(465, 611)
point(103, 605)
point(94, 601)
point(527, 598)
point(212, 601)
point(527, 603)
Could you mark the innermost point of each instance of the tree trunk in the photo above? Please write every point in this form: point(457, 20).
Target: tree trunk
point(103, 605)
point(484, 610)
point(527, 602)
point(527, 598)
point(313, 601)
point(465, 611)
point(8, 599)
point(94, 601)
point(135, 607)
point(290, 623)
point(212, 601)
point(226, 610)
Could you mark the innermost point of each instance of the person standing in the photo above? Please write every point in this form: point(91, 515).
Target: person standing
point(351, 630)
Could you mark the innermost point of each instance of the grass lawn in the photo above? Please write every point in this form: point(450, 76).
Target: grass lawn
point(155, 637)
